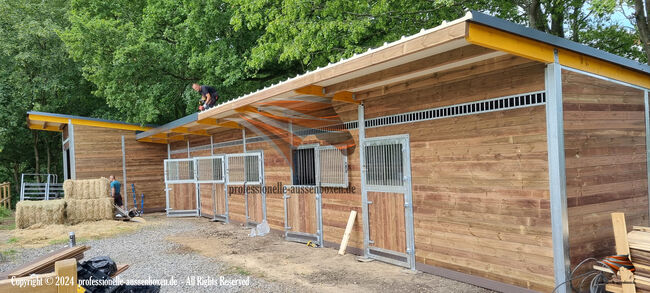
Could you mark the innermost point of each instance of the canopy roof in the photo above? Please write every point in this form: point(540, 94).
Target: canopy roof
point(306, 100)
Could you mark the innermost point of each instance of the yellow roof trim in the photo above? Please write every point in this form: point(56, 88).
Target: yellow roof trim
point(79, 121)
point(528, 48)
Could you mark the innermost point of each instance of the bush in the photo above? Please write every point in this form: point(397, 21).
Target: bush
point(4, 212)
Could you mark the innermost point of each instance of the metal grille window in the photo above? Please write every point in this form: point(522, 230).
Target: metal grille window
point(252, 168)
point(236, 169)
point(384, 165)
point(179, 170)
point(244, 168)
point(210, 169)
point(333, 167)
point(304, 167)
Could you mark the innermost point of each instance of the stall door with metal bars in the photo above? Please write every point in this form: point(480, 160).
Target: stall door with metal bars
point(211, 182)
point(388, 200)
point(247, 170)
point(180, 188)
point(323, 166)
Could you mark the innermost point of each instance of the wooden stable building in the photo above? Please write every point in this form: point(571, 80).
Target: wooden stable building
point(479, 150)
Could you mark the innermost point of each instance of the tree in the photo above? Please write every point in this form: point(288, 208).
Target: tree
point(36, 73)
point(640, 20)
point(142, 56)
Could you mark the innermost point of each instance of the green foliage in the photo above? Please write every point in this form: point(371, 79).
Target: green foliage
point(4, 213)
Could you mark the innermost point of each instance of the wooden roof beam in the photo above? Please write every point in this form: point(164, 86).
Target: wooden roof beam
point(346, 97)
point(311, 90)
point(185, 130)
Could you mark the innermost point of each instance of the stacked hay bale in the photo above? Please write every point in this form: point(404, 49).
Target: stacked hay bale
point(88, 200)
point(46, 212)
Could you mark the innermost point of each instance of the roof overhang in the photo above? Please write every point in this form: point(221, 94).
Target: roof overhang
point(474, 38)
point(56, 122)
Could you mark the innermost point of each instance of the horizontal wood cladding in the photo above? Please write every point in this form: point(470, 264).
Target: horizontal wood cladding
point(480, 182)
point(605, 149)
point(98, 153)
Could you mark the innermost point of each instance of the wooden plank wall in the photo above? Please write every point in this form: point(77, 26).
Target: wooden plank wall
point(605, 148)
point(480, 182)
point(98, 153)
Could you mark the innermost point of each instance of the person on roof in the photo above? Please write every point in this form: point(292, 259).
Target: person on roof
point(209, 96)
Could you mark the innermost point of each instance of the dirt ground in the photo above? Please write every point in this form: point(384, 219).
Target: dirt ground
point(318, 269)
point(12, 239)
point(270, 258)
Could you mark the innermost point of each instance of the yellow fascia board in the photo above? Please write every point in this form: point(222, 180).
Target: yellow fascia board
point(77, 121)
point(492, 38)
point(502, 41)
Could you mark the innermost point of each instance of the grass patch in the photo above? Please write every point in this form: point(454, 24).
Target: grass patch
point(238, 271)
point(4, 213)
point(12, 240)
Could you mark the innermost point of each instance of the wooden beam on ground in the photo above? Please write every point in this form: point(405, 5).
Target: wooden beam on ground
point(311, 90)
point(348, 230)
point(45, 264)
point(620, 234)
point(66, 270)
point(627, 280)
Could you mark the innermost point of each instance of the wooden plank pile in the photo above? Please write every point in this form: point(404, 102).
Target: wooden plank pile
point(636, 244)
point(45, 264)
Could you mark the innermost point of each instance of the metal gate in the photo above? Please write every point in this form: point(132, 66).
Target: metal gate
point(247, 169)
point(181, 174)
point(303, 218)
point(211, 170)
point(387, 200)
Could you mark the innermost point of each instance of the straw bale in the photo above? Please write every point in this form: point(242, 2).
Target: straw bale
point(83, 210)
point(86, 188)
point(44, 212)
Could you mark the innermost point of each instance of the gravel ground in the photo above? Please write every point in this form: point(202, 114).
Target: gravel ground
point(151, 256)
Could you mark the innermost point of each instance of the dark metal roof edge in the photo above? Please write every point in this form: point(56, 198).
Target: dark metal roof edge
point(88, 118)
point(169, 126)
point(534, 34)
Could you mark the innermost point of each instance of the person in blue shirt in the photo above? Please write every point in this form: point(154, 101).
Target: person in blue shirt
point(115, 191)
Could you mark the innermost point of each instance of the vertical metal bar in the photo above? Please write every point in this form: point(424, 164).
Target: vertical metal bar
point(166, 184)
point(261, 174)
point(319, 196)
point(225, 186)
point(647, 144)
point(291, 148)
point(47, 188)
point(197, 187)
point(214, 185)
point(22, 187)
point(188, 148)
point(73, 165)
point(125, 195)
point(169, 152)
point(557, 174)
point(65, 159)
point(364, 191)
point(243, 135)
point(408, 200)
point(286, 214)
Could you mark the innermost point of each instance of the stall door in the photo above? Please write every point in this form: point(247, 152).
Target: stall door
point(180, 188)
point(388, 200)
point(210, 179)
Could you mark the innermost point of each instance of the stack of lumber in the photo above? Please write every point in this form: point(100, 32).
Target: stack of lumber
point(88, 200)
point(639, 244)
point(45, 264)
point(46, 212)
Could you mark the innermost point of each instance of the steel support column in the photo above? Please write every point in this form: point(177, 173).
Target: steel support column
point(364, 191)
point(557, 174)
point(647, 144)
point(73, 165)
point(125, 195)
